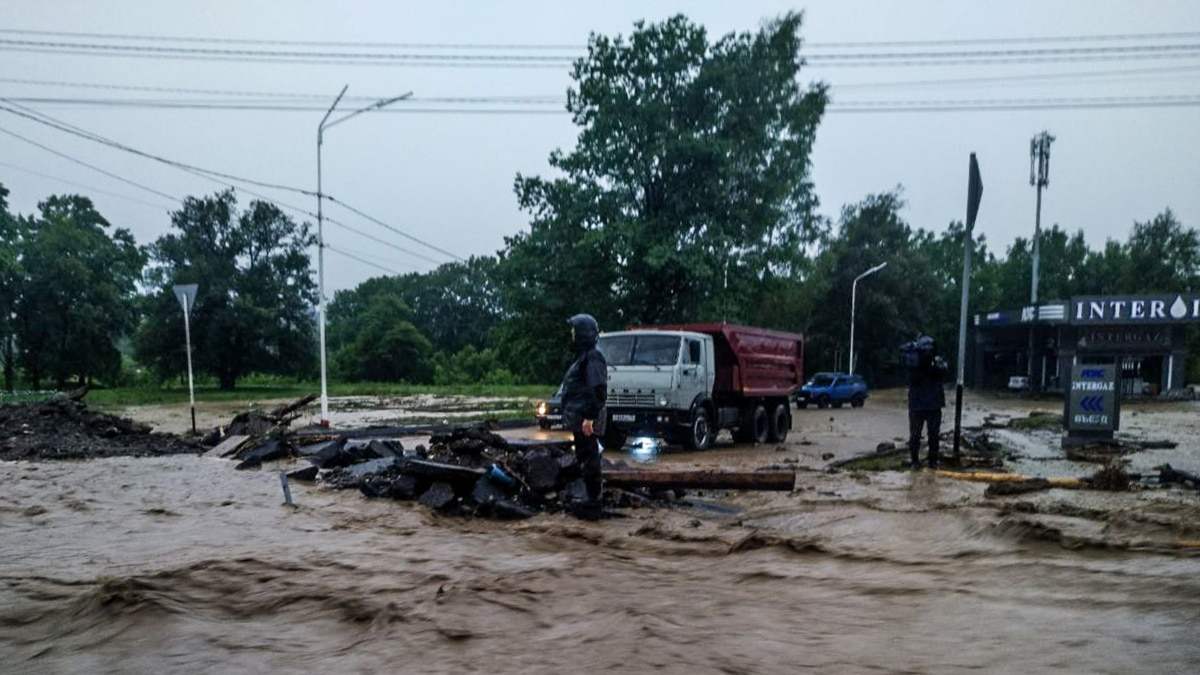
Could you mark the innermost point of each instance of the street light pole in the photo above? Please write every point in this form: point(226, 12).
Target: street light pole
point(321, 232)
point(853, 303)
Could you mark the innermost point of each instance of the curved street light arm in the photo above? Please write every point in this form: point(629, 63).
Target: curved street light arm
point(853, 303)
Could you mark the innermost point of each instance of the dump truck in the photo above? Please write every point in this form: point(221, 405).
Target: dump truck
point(684, 383)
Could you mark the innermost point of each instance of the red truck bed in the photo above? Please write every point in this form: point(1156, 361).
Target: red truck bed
point(750, 361)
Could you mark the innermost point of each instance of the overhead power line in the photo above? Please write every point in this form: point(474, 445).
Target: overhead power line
point(89, 188)
point(347, 254)
point(377, 240)
point(1031, 77)
point(46, 120)
point(864, 44)
point(324, 97)
point(41, 118)
point(261, 107)
point(1016, 104)
point(243, 99)
point(1005, 55)
point(293, 61)
point(493, 60)
point(305, 43)
point(384, 225)
point(177, 200)
point(1057, 39)
point(90, 166)
point(835, 106)
point(270, 55)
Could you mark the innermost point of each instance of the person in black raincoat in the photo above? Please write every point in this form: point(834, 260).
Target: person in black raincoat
point(584, 394)
point(926, 397)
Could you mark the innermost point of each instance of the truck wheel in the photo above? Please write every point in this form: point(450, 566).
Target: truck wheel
point(781, 421)
point(760, 424)
point(545, 424)
point(858, 400)
point(823, 402)
point(700, 435)
point(613, 439)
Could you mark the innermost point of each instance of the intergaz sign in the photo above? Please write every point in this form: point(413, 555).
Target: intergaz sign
point(1178, 308)
point(1093, 404)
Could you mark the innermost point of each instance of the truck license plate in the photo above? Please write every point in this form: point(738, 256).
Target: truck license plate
point(623, 418)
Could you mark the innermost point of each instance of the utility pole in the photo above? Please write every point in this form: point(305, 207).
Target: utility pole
point(1039, 176)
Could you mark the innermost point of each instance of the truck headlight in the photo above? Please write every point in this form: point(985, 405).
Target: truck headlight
point(662, 401)
point(541, 408)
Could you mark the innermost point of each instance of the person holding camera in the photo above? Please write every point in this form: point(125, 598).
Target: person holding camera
point(926, 397)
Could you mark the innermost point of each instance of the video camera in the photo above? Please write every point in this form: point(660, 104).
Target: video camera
point(918, 353)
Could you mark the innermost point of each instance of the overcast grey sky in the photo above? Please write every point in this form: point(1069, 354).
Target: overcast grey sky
point(445, 178)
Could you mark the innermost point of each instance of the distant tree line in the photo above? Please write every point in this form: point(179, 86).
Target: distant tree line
point(687, 198)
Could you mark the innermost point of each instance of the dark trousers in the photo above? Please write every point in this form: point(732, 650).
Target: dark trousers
point(932, 420)
point(587, 453)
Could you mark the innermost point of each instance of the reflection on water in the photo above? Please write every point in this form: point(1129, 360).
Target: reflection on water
point(645, 449)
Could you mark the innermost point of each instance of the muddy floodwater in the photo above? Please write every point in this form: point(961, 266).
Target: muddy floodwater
point(182, 564)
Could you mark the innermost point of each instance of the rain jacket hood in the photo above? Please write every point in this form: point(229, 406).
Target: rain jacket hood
point(586, 332)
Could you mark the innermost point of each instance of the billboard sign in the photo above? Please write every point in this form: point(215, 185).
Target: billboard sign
point(1093, 404)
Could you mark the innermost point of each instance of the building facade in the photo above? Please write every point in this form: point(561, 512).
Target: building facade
point(1144, 335)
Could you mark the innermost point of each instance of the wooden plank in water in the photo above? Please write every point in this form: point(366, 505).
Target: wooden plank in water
point(703, 479)
point(227, 447)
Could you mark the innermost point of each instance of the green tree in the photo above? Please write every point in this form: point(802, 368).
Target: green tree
point(253, 309)
point(1163, 257)
point(689, 187)
point(384, 346)
point(11, 279)
point(372, 335)
point(945, 256)
point(471, 366)
point(1103, 271)
point(456, 305)
point(78, 297)
point(892, 306)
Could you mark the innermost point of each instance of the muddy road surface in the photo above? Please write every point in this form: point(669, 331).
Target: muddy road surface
point(182, 564)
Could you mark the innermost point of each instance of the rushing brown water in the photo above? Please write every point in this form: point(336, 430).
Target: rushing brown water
point(182, 564)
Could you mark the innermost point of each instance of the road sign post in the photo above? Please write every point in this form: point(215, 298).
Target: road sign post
point(974, 194)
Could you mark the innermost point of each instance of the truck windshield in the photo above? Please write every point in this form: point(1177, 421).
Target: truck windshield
point(640, 350)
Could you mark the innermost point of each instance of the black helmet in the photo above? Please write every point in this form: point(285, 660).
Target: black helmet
point(586, 331)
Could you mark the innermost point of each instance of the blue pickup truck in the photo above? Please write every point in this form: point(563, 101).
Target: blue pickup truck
point(832, 389)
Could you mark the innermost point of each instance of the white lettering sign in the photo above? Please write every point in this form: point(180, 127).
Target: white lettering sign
point(1158, 309)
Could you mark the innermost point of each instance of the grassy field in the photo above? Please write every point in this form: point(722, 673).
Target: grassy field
point(115, 398)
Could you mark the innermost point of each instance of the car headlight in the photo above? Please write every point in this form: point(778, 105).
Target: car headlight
point(541, 408)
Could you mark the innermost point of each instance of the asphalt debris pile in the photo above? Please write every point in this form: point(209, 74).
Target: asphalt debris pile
point(467, 470)
point(65, 428)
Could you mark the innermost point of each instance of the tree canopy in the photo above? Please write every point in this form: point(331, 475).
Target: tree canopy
point(253, 307)
point(10, 287)
point(78, 292)
point(688, 186)
point(687, 197)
